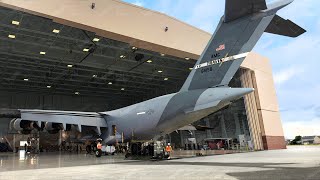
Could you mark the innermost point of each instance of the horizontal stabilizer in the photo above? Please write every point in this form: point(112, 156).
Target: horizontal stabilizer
point(284, 27)
point(236, 9)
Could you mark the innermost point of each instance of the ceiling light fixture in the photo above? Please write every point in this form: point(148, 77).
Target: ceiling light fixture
point(94, 76)
point(96, 40)
point(110, 83)
point(149, 61)
point(15, 22)
point(57, 31)
point(85, 50)
point(49, 87)
point(42, 53)
point(122, 56)
point(26, 79)
point(11, 36)
point(122, 89)
point(77, 93)
point(160, 71)
point(166, 79)
point(186, 58)
point(69, 65)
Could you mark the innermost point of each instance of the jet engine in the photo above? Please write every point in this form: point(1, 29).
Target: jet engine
point(52, 128)
point(22, 126)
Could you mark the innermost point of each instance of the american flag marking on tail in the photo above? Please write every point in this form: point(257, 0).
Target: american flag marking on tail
point(221, 47)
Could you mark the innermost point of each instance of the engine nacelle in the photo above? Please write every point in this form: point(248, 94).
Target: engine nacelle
point(22, 126)
point(52, 128)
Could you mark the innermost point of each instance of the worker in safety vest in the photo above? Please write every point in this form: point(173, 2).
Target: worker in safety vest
point(99, 146)
point(168, 150)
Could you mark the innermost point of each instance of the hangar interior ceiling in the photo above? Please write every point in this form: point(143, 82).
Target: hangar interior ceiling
point(42, 56)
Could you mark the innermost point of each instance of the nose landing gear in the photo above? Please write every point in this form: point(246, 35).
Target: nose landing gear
point(98, 153)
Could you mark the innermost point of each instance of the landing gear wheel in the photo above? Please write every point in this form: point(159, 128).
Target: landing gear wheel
point(98, 153)
point(127, 155)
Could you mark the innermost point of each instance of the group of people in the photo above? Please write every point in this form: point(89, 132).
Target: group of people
point(71, 147)
point(95, 146)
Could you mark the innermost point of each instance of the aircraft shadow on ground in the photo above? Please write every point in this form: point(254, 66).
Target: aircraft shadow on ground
point(269, 170)
point(259, 165)
point(289, 173)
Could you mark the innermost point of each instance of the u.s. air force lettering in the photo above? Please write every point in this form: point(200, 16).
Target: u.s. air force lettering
point(218, 61)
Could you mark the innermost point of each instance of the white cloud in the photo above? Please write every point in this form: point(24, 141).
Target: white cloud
point(299, 11)
point(287, 74)
point(206, 14)
point(138, 3)
point(302, 128)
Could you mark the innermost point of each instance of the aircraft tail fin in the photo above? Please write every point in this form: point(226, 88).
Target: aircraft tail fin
point(235, 36)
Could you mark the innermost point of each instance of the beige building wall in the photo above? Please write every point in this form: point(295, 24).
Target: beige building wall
point(145, 29)
point(262, 104)
point(316, 140)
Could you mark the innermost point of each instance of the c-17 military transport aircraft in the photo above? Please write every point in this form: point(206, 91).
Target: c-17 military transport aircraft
point(204, 92)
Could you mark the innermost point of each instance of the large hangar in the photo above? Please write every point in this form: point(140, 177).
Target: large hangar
point(80, 56)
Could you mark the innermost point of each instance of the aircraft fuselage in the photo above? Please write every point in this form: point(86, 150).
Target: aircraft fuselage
point(165, 114)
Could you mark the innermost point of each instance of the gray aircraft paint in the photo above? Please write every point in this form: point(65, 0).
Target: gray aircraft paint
point(130, 122)
point(206, 88)
point(238, 37)
point(177, 106)
point(240, 8)
point(187, 107)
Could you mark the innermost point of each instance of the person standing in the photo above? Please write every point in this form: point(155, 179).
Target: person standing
point(99, 148)
point(168, 150)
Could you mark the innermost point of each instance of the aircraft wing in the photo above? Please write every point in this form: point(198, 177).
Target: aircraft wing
point(79, 119)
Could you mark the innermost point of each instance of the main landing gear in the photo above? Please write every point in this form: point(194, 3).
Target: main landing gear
point(146, 150)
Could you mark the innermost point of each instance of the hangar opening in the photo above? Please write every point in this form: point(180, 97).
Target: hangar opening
point(235, 127)
point(54, 64)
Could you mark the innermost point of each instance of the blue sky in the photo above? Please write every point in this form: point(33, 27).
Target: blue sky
point(295, 62)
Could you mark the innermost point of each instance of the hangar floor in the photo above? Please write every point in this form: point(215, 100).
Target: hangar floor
point(294, 163)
